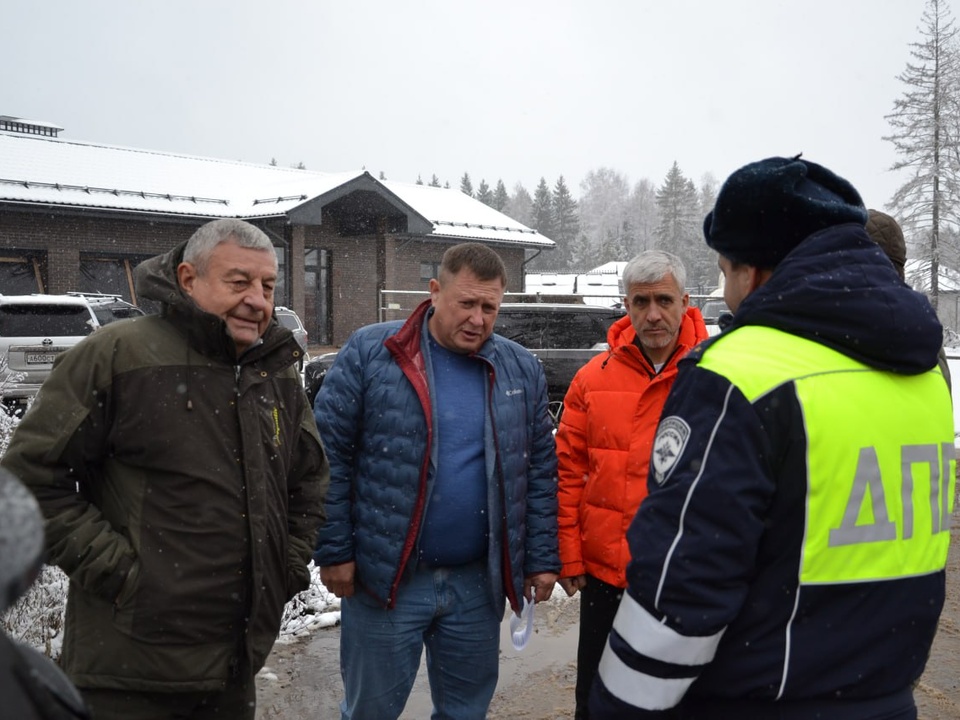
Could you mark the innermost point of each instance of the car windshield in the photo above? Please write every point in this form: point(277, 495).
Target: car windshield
point(554, 330)
point(713, 309)
point(44, 319)
point(108, 314)
point(288, 321)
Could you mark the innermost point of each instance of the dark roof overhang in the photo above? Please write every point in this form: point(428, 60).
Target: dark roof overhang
point(362, 196)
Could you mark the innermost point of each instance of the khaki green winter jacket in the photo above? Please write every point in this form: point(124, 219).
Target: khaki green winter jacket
point(182, 488)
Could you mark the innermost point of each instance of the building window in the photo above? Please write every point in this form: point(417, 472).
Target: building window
point(429, 270)
point(20, 275)
point(112, 276)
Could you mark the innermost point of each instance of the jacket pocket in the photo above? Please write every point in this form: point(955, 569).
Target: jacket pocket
point(129, 587)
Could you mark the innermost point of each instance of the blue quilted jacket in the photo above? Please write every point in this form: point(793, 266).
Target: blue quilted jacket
point(376, 419)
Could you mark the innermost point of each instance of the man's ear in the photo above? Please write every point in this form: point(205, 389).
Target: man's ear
point(186, 276)
point(758, 276)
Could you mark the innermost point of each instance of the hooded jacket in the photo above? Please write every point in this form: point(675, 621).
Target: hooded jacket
point(376, 417)
point(182, 489)
point(610, 414)
point(788, 561)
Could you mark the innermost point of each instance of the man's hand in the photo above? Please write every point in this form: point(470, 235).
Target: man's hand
point(338, 579)
point(571, 585)
point(539, 587)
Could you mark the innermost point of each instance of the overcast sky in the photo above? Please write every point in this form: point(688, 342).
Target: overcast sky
point(511, 89)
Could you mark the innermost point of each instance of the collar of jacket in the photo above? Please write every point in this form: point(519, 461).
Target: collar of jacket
point(839, 289)
point(407, 340)
point(692, 331)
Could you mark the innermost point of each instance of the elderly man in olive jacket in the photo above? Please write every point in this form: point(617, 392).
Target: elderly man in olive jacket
point(182, 478)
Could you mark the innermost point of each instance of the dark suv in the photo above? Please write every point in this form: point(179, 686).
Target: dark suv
point(563, 336)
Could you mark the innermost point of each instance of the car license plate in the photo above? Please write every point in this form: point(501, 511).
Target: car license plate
point(40, 358)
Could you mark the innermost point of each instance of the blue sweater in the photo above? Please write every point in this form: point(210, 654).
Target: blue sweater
point(455, 525)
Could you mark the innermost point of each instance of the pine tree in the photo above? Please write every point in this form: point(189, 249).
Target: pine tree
point(925, 122)
point(583, 255)
point(500, 196)
point(679, 229)
point(644, 216)
point(419, 179)
point(383, 175)
point(543, 221)
point(484, 194)
point(273, 162)
point(566, 223)
point(604, 204)
point(708, 193)
point(520, 206)
point(466, 187)
point(434, 181)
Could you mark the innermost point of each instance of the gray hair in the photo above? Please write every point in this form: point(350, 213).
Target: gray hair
point(651, 266)
point(202, 243)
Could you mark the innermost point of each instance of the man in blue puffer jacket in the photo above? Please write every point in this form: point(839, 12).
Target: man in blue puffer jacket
point(442, 500)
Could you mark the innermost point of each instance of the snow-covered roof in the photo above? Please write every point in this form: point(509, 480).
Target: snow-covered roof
point(614, 266)
point(561, 283)
point(454, 214)
point(599, 286)
point(917, 274)
point(54, 171)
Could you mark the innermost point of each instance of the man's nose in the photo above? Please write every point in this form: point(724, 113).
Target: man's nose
point(256, 298)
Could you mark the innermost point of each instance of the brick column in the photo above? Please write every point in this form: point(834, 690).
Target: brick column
point(63, 270)
point(296, 235)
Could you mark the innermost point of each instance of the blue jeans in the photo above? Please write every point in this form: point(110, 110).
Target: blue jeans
point(448, 610)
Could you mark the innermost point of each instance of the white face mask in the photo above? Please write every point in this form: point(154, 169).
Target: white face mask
point(521, 626)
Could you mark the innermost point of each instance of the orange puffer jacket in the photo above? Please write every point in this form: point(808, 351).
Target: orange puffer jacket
point(610, 416)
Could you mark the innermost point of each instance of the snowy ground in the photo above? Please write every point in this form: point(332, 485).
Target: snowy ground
point(301, 680)
point(316, 609)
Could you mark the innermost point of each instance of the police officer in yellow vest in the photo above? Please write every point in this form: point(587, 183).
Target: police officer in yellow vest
point(789, 560)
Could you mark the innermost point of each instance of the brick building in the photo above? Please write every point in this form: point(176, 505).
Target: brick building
point(80, 216)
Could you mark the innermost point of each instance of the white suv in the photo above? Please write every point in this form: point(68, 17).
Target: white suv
point(34, 329)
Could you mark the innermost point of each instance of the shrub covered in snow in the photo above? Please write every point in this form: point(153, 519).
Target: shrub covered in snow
point(37, 618)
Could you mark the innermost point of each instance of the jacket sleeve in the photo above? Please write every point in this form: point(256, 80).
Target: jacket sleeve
point(55, 451)
point(694, 545)
point(338, 411)
point(541, 549)
point(572, 467)
point(307, 486)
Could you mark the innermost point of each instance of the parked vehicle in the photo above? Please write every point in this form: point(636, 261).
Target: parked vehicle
point(109, 308)
point(290, 320)
point(314, 372)
point(563, 336)
point(712, 311)
point(34, 329)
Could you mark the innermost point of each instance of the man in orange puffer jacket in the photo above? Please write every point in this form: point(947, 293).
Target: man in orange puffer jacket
point(610, 415)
